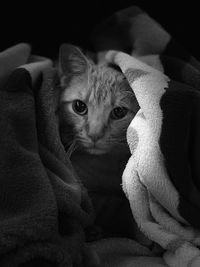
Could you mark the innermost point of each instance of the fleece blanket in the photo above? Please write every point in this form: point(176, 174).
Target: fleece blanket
point(44, 209)
point(161, 178)
point(46, 215)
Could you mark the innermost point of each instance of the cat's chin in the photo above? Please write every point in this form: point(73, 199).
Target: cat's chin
point(107, 150)
point(96, 151)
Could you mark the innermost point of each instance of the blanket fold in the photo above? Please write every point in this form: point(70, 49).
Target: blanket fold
point(44, 208)
point(161, 179)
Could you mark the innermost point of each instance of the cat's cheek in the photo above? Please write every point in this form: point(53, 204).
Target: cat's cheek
point(74, 118)
point(80, 128)
point(119, 125)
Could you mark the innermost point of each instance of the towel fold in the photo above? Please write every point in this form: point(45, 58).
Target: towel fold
point(161, 179)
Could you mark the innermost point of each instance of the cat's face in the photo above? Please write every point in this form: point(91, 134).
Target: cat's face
point(98, 104)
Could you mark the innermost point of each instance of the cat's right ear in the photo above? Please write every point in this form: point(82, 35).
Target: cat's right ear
point(72, 61)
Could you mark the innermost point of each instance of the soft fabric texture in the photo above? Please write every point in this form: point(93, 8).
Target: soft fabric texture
point(46, 214)
point(161, 179)
point(44, 208)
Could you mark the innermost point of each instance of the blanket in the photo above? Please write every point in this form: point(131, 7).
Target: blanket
point(161, 178)
point(46, 213)
point(44, 209)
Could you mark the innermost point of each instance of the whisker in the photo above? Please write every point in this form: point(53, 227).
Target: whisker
point(72, 148)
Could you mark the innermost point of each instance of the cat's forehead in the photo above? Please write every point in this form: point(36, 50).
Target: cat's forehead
point(101, 85)
point(76, 89)
point(104, 75)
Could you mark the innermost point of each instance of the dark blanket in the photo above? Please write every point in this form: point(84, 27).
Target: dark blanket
point(46, 215)
point(43, 207)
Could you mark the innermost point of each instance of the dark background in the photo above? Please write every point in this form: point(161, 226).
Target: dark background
point(45, 27)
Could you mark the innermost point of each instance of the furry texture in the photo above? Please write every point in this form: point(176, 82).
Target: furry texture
point(102, 89)
point(148, 181)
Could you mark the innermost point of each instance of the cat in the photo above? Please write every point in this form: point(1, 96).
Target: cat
point(96, 106)
point(97, 103)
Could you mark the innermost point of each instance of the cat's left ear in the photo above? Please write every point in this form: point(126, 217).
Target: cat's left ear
point(72, 61)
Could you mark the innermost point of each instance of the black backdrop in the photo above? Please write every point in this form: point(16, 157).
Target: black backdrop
point(45, 27)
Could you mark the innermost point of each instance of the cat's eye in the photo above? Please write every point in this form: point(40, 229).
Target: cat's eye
point(79, 107)
point(118, 113)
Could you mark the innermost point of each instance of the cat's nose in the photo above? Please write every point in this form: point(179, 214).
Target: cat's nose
point(94, 137)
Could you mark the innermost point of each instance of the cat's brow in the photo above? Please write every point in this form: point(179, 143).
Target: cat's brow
point(66, 101)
